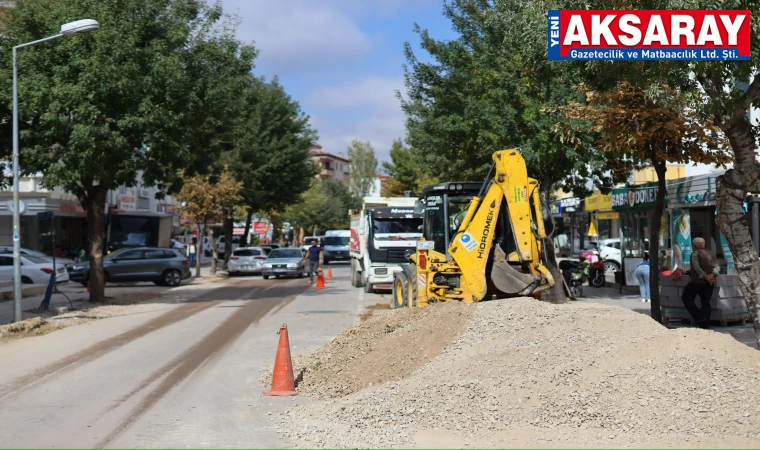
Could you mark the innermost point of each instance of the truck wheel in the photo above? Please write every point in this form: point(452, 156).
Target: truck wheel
point(400, 292)
point(356, 280)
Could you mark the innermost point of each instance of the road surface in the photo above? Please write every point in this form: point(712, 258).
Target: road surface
point(182, 376)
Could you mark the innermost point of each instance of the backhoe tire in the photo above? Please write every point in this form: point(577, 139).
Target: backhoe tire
point(415, 283)
point(400, 292)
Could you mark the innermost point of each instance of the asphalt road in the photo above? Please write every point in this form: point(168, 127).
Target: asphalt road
point(181, 376)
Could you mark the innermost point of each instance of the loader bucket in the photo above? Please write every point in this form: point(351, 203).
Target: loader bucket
point(508, 280)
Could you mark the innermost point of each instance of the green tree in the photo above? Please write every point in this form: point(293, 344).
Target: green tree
point(405, 170)
point(325, 206)
point(488, 90)
point(363, 167)
point(719, 91)
point(271, 154)
point(148, 92)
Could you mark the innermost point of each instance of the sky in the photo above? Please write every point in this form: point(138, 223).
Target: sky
point(342, 60)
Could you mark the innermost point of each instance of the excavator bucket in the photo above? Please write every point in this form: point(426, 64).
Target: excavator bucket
point(508, 280)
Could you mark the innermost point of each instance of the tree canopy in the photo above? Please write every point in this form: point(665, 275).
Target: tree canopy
point(363, 167)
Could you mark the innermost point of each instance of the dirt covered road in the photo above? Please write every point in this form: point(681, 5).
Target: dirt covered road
point(94, 396)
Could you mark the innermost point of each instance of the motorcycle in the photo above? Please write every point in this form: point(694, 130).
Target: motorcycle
point(573, 273)
point(597, 272)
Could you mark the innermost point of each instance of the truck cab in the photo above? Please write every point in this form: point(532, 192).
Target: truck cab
point(382, 239)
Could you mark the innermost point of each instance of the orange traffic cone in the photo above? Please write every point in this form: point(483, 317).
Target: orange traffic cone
point(329, 273)
point(320, 280)
point(283, 383)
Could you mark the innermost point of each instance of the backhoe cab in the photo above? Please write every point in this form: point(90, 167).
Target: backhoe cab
point(480, 240)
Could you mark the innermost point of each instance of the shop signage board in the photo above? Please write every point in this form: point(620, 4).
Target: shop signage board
point(637, 197)
point(556, 208)
point(598, 202)
point(127, 202)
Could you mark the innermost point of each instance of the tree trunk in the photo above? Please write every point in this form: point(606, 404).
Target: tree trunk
point(214, 251)
point(247, 231)
point(731, 190)
point(654, 241)
point(228, 226)
point(94, 205)
point(557, 293)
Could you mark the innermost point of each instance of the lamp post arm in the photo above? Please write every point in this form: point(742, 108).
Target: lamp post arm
point(29, 44)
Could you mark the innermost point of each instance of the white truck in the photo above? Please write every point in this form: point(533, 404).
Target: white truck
point(383, 233)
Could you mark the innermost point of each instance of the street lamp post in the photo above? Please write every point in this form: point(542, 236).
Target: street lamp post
point(67, 30)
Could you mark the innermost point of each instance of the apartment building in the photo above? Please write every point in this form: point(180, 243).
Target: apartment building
point(330, 166)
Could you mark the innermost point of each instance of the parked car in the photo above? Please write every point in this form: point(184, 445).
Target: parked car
point(221, 247)
point(34, 270)
point(284, 262)
point(178, 245)
point(162, 266)
point(247, 260)
point(609, 251)
point(307, 241)
point(8, 249)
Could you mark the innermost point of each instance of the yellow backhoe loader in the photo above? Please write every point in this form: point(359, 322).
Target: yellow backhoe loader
point(481, 241)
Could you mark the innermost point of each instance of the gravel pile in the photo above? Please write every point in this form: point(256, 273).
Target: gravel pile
point(373, 352)
point(526, 373)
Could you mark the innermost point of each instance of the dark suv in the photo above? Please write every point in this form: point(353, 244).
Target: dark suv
point(163, 266)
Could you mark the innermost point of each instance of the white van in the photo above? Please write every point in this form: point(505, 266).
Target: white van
point(337, 245)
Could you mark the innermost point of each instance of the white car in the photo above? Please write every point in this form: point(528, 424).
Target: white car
point(8, 250)
point(609, 250)
point(34, 270)
point(246, 260)
point(178, 245)
point(221, 247)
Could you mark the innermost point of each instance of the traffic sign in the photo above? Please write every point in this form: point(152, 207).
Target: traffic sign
point(20, 202)
point(45, 215)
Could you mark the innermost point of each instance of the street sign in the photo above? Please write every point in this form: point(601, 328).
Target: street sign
point(45, 215)
point(20, 202)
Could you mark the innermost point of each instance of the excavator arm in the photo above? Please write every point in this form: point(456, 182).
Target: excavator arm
point(482, 260)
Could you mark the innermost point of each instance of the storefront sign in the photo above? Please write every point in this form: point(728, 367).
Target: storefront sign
point(607, 215)
point(72, 208)
point(556, 208)
point(634, 198)
point(127, 202)
point(598, 202)
point(238, 231)
point(570, 202)
point(681, 232)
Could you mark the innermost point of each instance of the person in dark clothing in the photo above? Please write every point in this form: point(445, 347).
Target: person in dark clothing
point(704, 271)
point(313, 260)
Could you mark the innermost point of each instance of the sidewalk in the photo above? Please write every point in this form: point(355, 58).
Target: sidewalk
point(127, 292)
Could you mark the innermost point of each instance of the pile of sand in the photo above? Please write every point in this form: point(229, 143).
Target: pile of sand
point(383, 348)
point(527, 373)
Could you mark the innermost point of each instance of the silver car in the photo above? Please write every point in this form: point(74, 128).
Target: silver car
point(284, 262)
point(246, 260)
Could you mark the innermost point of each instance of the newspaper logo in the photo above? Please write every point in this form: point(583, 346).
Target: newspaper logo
point(649, 35)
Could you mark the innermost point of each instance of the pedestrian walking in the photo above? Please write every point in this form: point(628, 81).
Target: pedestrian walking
point(642, 274)
point(313, 260)
point(192, 251)
point(703, 275)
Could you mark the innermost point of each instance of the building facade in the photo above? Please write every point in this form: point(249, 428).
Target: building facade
point(331, 167)
point(133, 217)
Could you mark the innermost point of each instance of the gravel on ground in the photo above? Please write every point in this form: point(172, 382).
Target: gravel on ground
point(373, 352)
point(527, 374)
